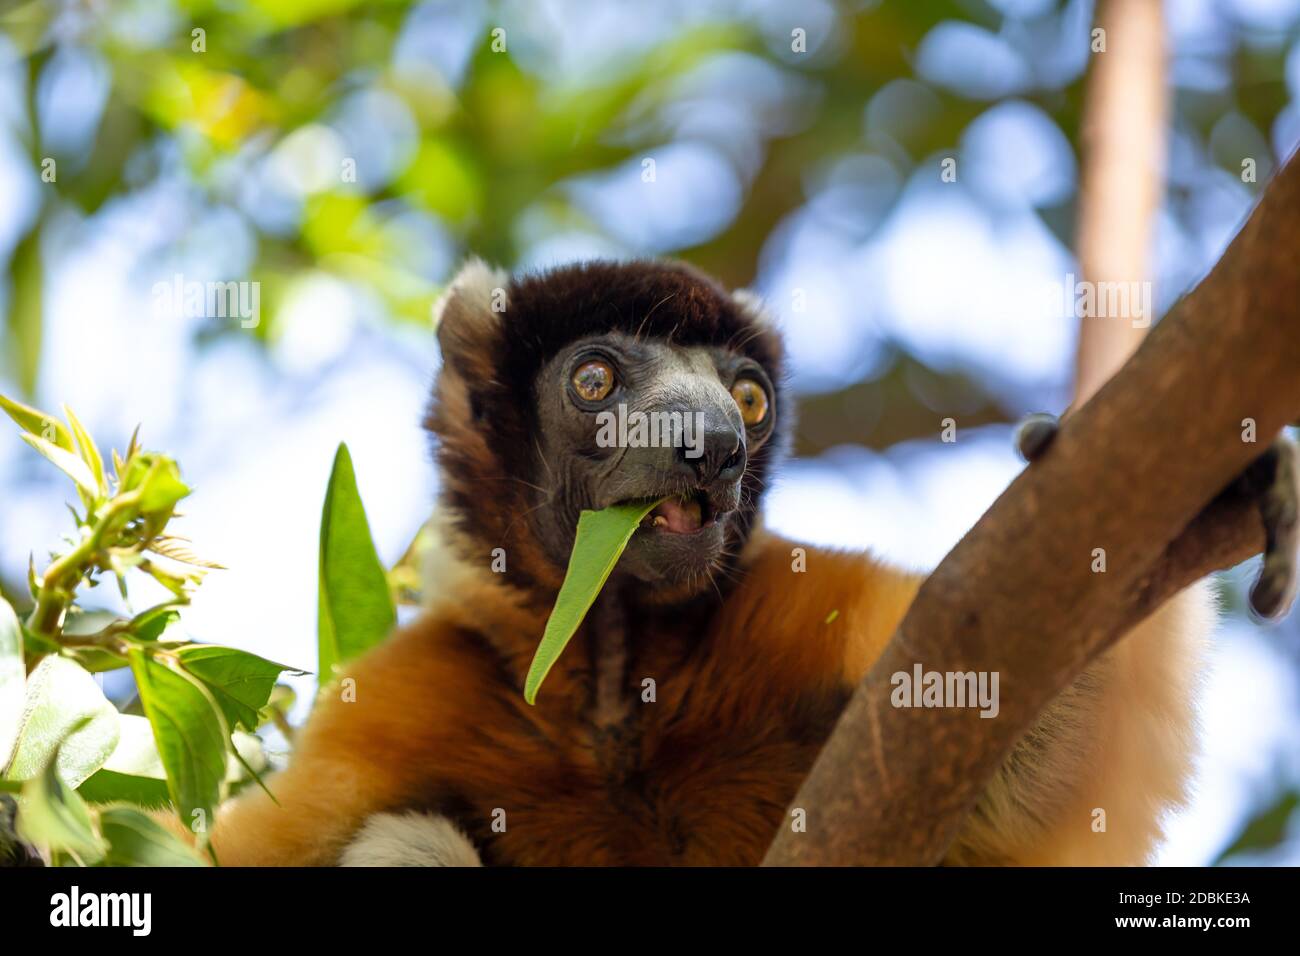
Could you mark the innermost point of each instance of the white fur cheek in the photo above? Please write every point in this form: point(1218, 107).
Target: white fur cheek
point(409, 839)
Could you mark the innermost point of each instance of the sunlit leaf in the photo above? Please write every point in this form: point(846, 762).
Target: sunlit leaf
point(191, 735)
point(600, 540)
point(150, 625)
point(444, 180)
point(159, 481)
point(340, 223)
point(292, 13)
point(68, 463)
point(355, 607)
point(406, 577)
point(223, 106)
point(13, 680)
point(240, 682)
point(25, 319)
point(64, 711)
point(1265, 830)
point(109, 786)
point(27, 26)
point(135, 771)
point(38, 423)
point(89, 451)
point(53, 817)
point(174, 550)
point(135, 839)
point(178, 584)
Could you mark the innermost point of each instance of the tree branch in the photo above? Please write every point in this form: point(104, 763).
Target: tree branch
point(1136, 471)
point(1122, 176)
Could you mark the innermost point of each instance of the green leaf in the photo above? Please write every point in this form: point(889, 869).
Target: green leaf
point(109, 786)
point(134, 839)
point(25, 322)
point(135, 772)
point(240, 682)
point(151, 624)
point(68, 463)
point(136, 752)
point(1265, 830)
point(355, 605)
point(88, 450)
point(53, 817)
point(64, 711)
point(38, 423)
point(600, 540)
point(13, 680)
point(190, 732)
point(159, 481)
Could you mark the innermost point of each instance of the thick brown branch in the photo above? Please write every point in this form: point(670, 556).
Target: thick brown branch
point(1132, 471)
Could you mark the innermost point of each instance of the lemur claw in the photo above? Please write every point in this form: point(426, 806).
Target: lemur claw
point(1272, 481)
point(1033, 435)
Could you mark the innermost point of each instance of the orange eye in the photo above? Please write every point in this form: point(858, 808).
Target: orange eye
point(751, 400)
point(593, 380)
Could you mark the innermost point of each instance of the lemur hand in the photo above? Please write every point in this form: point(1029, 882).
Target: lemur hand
point(1272, 481)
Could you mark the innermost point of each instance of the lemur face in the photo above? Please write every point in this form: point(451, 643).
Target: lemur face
point(598, 384)
point(629, 419)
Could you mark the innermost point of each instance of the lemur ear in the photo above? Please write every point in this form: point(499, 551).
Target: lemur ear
point(469, 318)
point(752, 305)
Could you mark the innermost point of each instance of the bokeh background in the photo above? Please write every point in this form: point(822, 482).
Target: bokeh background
point(809, 176)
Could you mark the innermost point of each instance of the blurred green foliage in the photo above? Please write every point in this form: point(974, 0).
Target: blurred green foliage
point(225, 84)
point(220, 86)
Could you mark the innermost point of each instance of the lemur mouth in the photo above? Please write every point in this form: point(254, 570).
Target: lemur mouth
point(681, 515)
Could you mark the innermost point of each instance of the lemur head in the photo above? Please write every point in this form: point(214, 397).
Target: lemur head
point(603, 383)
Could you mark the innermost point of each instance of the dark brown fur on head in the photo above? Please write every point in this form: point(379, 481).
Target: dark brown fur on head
point(496, 334)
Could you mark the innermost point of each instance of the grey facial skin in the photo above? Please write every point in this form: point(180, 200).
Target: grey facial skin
point(580, 472)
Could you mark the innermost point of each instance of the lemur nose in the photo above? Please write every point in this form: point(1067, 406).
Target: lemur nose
point(717, 453)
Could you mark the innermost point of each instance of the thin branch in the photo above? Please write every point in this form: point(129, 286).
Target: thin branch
point(1121, 179)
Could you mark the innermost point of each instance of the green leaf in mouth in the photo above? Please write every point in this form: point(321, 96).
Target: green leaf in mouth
point(602, 536)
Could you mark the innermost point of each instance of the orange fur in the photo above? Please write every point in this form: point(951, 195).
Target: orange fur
point(439, 724)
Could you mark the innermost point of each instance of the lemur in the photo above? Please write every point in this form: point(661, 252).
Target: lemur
point(691, 703)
